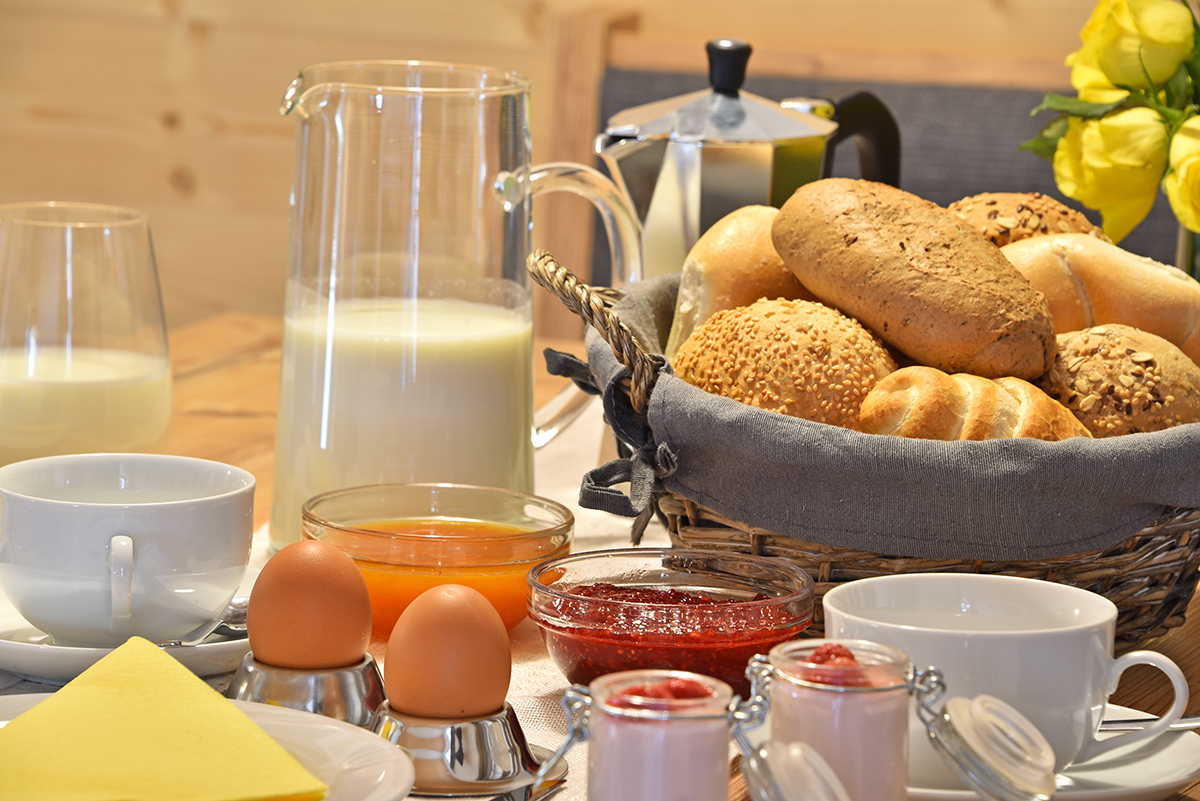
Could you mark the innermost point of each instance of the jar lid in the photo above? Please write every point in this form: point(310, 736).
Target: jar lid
point(993, 748)
point(790, 772)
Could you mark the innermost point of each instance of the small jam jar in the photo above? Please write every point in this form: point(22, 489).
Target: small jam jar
point(651, 741)
point(643, 748)
point(857, 717)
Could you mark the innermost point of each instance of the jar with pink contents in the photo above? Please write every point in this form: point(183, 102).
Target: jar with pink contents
point(850, 700)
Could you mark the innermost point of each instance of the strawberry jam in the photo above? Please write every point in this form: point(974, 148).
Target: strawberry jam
point(600, 628)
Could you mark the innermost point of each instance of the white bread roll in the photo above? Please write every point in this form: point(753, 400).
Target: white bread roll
point(733, 264)
point(790, 356)
point(1090, 282)
point(926, 403)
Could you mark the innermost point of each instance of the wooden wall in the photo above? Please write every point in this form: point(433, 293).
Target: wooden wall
point(171, 106)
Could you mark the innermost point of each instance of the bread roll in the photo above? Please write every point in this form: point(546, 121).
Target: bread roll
point(1089, 282)
point(926, 403)
point(733, 264)
point(918, 276)
point(1119, 380)
point(790, 356)
point(1005, 217)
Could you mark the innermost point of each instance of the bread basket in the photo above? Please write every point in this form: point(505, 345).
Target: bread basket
point(1138, 548)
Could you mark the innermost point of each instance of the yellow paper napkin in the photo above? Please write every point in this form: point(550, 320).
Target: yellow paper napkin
point(139, 726)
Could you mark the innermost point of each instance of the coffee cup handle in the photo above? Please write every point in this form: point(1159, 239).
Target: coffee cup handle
point(1178, 706)
point(120, 565)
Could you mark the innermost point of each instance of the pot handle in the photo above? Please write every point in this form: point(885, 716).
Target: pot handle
point(863, 116)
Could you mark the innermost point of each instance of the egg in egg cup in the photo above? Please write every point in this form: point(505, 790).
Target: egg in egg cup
point(446, 671)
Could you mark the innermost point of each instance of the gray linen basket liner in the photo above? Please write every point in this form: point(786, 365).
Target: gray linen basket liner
point(1116, 515)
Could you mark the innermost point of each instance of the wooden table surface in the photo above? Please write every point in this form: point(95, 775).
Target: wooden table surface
point(226, 391)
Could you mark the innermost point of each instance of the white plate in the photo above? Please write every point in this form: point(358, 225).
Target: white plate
point(24, 653)
point(356, 764)
point(1147, 771)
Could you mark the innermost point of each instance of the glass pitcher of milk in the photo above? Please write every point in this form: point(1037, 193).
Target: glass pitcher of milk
point(408, 331)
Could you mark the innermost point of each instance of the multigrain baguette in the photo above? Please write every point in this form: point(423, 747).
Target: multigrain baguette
point(926, 403)
point(918, 276)
point(1090, 282)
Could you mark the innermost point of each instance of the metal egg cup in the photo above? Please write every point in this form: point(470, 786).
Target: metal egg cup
point(471, 756)
point(350, 694)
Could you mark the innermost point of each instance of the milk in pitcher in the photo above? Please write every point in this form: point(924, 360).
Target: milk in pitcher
point(382, 390)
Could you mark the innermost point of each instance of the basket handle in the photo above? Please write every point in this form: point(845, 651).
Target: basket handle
point(592, 304)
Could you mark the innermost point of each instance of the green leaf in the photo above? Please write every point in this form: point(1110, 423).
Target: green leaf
point(1074, 106)
point(1046, 142)
point(1178, 89)
point(1192, 65)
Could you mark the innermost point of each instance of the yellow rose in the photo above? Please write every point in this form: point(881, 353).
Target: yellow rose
point(1122, 35)
point(1114, 164)
point(1182, 183)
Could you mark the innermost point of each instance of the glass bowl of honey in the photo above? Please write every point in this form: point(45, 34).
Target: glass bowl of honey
point(707, 612)
point(407, 538)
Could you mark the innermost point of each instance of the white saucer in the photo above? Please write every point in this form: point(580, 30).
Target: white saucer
point(24, 653)
point(356, 764)
point(1147, 771)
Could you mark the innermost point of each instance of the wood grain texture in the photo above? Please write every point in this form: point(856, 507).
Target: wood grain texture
point(172, 106)
point(564, 223)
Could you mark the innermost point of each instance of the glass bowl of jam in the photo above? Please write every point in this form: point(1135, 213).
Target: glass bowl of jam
point(671, 608)
point(407, 538)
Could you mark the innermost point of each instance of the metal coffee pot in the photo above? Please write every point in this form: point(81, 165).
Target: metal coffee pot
point(686, 162)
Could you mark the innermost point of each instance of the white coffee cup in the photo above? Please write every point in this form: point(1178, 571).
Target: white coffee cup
point(95, 548)
point(1045, 648)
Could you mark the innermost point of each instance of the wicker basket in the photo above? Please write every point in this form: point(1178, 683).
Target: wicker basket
point(1150, 576)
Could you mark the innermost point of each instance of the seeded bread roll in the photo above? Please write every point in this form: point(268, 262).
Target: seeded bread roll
point(796, 357)
point(1005, 217)
point(918, 276)
point(925, 403)
point(1088, 282)
point(1119, 380)
point(733, 264)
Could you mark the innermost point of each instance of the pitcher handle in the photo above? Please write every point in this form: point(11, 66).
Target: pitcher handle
point(620, 224)
point(624, 242)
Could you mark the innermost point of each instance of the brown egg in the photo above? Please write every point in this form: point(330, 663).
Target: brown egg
point(448, 656)
point(309, 609)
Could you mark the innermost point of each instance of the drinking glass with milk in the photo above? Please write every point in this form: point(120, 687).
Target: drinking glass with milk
point(83, 344)
point(408, 331)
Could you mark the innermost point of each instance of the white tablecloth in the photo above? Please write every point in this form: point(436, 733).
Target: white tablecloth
point(537, 684)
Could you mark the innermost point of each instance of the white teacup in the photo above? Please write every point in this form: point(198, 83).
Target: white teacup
point(1045, 648)
point(95, 548)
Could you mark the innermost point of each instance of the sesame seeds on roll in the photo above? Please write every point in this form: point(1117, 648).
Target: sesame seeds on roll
point(795, 357)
